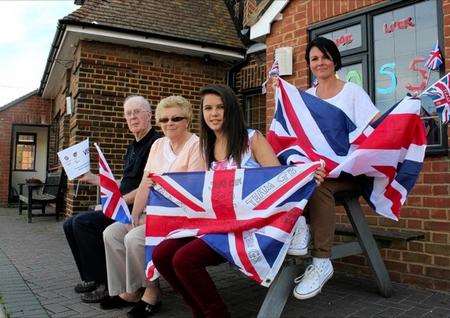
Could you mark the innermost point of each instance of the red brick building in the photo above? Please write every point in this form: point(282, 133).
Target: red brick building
point(383, 45)
point(24, 142)
point(106, 51)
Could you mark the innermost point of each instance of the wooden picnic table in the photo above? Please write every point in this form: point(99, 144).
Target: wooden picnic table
point(366, 243)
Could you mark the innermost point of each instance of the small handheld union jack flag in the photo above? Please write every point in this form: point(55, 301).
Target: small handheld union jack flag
point(434, 60)
point(113, 204)
point(274, 72)
point(275, 69)
point(440, 94)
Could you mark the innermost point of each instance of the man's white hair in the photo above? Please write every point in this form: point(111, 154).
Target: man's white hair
point(140, 100)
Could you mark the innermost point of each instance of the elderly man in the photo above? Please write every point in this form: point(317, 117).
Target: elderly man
point(84, 230)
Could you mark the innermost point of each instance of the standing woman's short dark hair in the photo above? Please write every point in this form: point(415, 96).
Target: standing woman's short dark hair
point(328, 48)
point(233, 126)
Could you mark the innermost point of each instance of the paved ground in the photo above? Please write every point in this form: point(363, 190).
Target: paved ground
point(37, 275)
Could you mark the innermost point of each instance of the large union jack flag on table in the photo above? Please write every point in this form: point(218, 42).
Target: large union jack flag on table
point(113, 204)
point(246, 215)
point(306, 128)
point(440, 94)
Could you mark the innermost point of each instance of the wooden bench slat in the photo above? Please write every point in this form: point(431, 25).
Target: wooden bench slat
point(380, 234)
point(44, 197)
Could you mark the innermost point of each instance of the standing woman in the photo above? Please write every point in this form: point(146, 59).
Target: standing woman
point(177, 151)
point(226, 143)
point(324, 59)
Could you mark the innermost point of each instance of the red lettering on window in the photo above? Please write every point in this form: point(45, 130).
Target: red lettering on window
point(400, 24)
point(416, 65)
point(344, 40)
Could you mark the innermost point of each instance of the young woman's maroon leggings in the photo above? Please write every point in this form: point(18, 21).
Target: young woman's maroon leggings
point(182, 262)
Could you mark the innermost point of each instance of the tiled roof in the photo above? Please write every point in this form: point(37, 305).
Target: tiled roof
point(206, 21)
point(259, 11)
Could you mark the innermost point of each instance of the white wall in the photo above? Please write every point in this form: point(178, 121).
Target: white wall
point(41, 155)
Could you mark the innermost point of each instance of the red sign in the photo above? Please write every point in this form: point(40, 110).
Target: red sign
point(400, 24)
point(344, 40)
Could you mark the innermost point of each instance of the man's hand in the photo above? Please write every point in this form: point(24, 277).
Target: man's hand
point(90, 178)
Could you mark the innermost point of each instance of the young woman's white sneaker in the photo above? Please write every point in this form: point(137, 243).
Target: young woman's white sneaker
point(312, 281)
point(300, 239)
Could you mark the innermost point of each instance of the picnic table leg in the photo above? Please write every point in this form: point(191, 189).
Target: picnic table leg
point(369, 246)
point(279, 291)
point(30, 204)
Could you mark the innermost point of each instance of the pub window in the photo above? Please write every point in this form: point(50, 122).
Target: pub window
point(388, 60)
point(25, 154)
point(255, 110)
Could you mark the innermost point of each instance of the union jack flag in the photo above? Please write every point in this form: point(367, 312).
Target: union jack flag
point(440, 94)
point(113, 204)
point(273, 72)
point(434, 60)
point(275, 69)
point(390, 154)
point(246, 215)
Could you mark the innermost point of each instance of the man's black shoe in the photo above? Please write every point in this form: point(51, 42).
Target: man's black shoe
point(95, 296)
point(85, 287)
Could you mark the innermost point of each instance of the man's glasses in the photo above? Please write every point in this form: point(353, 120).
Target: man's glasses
point(134, 112)
point(176, 119)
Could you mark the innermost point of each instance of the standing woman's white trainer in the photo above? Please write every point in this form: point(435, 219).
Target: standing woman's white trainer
point(300, 239)
point(312, 281)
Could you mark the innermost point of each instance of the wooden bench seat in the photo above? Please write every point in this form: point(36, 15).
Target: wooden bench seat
point(382, 236)
point(39, 196)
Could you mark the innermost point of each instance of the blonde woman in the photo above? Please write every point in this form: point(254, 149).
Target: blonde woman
point(177, 151)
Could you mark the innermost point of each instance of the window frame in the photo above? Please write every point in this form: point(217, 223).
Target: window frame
point(366, 52)
point(363, 59)
point(17, 142)
point(251, 93)
point(362, 20)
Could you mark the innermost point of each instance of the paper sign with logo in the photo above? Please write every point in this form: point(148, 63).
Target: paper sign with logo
point(75, 159)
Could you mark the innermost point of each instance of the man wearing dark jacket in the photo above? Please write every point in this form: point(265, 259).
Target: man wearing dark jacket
point(84, 231)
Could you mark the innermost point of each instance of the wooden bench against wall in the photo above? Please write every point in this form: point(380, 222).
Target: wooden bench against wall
point(39, 196)
point(368, 242)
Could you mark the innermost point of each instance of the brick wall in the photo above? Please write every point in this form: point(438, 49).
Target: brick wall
point(253, 73)
point(249, 79)
point(425, 263)
point(104, 74)
point(32, 111)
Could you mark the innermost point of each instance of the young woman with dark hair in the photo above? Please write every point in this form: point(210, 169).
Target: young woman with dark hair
point(224, 136)
point(324, 59)
point(226, 143)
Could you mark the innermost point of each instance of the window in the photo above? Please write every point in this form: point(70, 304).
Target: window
point(403, 39)
point(388, 59)
point(255, 110)
point(25, 158)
